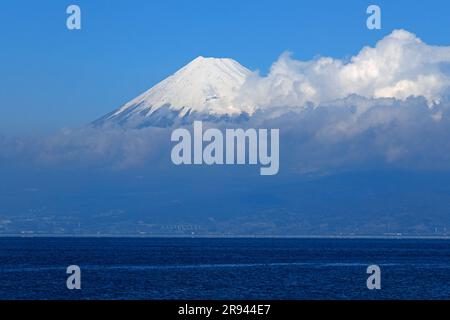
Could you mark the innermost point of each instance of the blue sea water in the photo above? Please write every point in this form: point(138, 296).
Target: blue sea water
point(184, 268)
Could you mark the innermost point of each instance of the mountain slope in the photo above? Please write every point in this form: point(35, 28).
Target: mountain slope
point(206, 88)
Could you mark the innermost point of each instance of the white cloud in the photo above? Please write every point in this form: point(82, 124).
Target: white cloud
point(399, 66)
point(109, 148)
point(346, 134)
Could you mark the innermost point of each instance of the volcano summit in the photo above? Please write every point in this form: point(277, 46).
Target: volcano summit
point(205, 89)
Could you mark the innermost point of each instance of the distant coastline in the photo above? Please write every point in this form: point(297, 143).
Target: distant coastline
point(131, 236)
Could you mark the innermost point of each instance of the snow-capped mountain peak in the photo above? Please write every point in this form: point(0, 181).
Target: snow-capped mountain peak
point(205, 85)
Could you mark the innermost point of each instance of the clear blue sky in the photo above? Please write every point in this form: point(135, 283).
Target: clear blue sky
point(52, 77)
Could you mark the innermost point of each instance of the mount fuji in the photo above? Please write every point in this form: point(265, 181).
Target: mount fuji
point(205, 89)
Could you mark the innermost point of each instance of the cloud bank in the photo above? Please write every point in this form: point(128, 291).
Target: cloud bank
point(399, 66)
point(357, 132)
point(88, 147)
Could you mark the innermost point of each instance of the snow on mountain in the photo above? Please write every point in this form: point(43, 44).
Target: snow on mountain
point(205, 88)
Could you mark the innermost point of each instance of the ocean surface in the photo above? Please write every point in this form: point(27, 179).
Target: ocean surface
point(176, 268)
